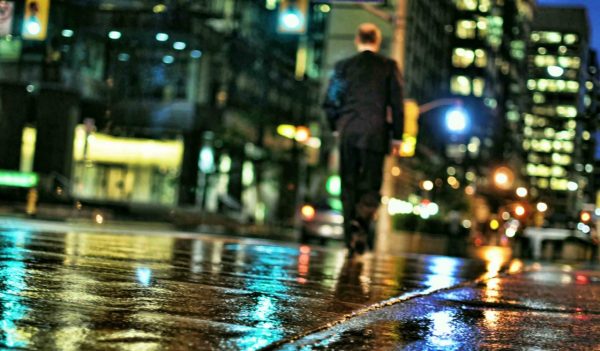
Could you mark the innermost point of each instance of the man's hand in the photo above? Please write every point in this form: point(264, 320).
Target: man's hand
point(396, 147)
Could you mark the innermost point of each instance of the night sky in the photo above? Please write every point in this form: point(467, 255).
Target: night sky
point(593, 7)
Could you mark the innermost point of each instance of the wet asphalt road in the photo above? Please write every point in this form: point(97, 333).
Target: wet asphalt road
point(95, 291)
point(548, 308)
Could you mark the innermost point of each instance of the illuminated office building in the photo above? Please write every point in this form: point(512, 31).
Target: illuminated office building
point(489, 74)
point(557, 130)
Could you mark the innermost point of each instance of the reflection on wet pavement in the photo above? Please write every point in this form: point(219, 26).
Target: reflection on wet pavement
point(544, 309)
point(132, 292)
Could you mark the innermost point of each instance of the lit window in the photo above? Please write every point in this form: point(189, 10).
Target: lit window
point(562, 49)
point(570, 39)
point(539, 98)
point(542, 51)
point(569, 62)
point(565, 135)
point(559, 184)
point(482, 27)
point(460, 85)
point(542, 84)
point(480, 58)
point(535, 37)
point(550, 37)
point(586, 135)
point(572, 86)
point(589, 85)
point(529, 119)
point(463, 57)
point(559, 159)
point(484, 5)
point(587, 100)
point(531, 84)
point(465, 29)
point(549, 133)
point(543, 183)
point(478, 86)
point(469, 5)
point(558, 171)
point(566, 111)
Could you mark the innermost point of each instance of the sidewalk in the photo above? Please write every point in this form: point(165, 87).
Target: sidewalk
point(545, 307)
point(151, 218)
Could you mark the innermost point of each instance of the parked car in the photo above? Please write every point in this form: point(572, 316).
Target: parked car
point(321, 221)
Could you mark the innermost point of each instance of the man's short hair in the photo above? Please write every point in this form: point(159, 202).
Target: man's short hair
point(368, 33)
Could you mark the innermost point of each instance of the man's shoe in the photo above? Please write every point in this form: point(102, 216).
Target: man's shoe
point(358, 242)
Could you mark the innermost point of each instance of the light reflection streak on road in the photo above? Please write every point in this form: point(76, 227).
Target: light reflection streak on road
point(12, 275)
point(268, 277)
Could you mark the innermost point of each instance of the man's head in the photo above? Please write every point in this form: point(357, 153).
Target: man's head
point(368, 37)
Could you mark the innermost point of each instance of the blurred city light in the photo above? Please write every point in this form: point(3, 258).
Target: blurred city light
point(556, 71)
point(522, 192)
point(542, 207)
point(160, 8)
point(168, 59)
point(196, 54)
point(67, 33)
point(572, 186)
point(503, 178)
point(396, 206)
point(302, 134)
point(33, 27)
point(585, 216)
point(123, 57)
point(18, 179)
point(291, 20)
point(456, 120)
point(179, 45)
point(114, 35)
point(286, 130)
point(325, 8)
point(334, 185)
point(428, 185)
point(162, 36)
point(308, 212)
point(494, 224)
point(520, 210)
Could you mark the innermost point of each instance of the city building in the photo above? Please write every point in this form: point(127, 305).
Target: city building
point(488, 72)
point(557, 134)
point(170, 103)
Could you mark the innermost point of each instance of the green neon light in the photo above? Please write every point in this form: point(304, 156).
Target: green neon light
point(334, 185)
point(18, 179)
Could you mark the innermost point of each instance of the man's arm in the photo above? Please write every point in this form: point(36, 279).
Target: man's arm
point(334, 98)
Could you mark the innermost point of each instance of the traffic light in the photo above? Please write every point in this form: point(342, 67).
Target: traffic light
point(411, 128)
point(35, 20)
point(293, 16)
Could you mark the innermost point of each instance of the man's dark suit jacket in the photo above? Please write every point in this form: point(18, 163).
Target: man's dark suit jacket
point(359, 94)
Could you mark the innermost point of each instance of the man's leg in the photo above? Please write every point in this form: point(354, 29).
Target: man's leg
point(369, 185)
point(348, 173)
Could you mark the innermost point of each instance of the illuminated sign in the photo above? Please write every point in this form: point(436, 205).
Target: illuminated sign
point(18, 179)
point(35, 21)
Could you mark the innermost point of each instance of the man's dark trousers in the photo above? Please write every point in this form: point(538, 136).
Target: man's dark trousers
point(361, 172)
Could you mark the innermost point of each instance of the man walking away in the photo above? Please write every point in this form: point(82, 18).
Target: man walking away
point(362, 90)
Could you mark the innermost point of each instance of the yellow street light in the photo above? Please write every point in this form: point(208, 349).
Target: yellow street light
point(503, 178)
